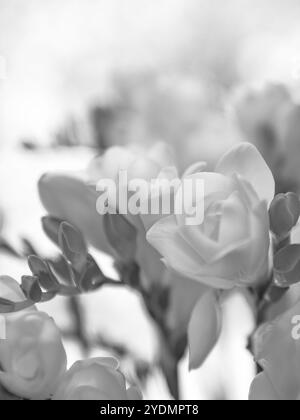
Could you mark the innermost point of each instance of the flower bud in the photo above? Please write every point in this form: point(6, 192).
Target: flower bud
point(287, 266)
point(95, 379)
point(284, 214)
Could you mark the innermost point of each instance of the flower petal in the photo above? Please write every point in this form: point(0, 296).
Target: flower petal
point(204, 329)
point(246, 160)
point(262, 389)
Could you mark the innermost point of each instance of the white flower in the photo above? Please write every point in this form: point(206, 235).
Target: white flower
point(95, 379)
point(32, 357)
point(231, 246)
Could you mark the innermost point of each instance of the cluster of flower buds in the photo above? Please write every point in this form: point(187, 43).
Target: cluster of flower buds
point(73, 273)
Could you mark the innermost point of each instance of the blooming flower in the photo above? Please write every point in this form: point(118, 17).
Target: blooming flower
point(231, 246)
point(95, 379)
point(32, 357)
point(277, 350)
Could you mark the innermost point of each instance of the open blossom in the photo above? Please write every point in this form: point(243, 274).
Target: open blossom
point(277, 350)
point(231, 246)
point(95, 379)
point(32, 357)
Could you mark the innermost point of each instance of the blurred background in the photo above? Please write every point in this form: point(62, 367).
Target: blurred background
point(79, 76)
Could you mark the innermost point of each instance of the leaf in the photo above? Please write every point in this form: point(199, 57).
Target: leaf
point(204, 329)
point(72, 245)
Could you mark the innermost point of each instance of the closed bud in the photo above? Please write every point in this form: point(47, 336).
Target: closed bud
point(121, 236)
point(284, 214)
point(93, 278)
point(31, 288)
point(40, 269)
point(51, 227)
point(287, 266)
point(6, 305)
point(73, 245)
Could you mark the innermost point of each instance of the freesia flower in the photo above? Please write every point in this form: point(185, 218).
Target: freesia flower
point(231, 246)
point(277, 350)
point(32, 357)
point(95, 379)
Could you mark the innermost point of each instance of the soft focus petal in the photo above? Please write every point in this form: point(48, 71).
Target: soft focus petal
point(10, 289)
point(245, 160)
point(134, 394)
point(204, 329)
point(262, 389)
point(279, 354)
point(67, 197)
point(185, 293)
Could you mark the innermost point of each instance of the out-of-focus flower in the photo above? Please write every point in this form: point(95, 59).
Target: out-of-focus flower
point(262, 117)
point(204, 328)
point(1, 220)
point(292, 145)
point(261, 114)
point(32, 357)
point(10, 289)
point(262, 110)
point(95, 379)
point(284, 214)
point(277, 350)
point(231, 246)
